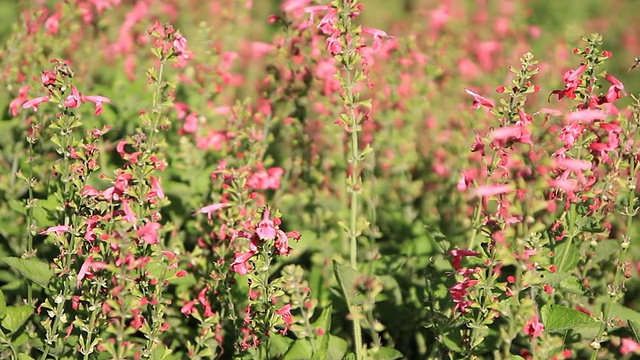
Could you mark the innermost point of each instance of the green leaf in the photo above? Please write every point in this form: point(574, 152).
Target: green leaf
point(300, 349)
point(567, 256)
point(558, 318)
point(452, 341)
point(24, 357)
point(337, 348)
point(346, 277)
point(278, 344)
point(3, 305)
point(634, 326)
point(33, 269)
point(16, 316)
point(385, 353)
point(571, 284)
point(624, 313)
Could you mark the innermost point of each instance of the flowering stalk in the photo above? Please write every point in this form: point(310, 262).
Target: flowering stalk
point(343, 43)
point(72, 170)
point(628, 208)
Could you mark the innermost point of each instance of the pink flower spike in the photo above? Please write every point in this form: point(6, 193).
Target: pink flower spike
point(492, 190)
point(209, 209)
point(59, 230)
point(33, 103)
point(479, 101)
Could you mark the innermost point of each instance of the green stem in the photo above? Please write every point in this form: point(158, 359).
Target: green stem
point(354, 182)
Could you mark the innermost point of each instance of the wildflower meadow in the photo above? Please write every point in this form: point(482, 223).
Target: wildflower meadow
point(317, 179)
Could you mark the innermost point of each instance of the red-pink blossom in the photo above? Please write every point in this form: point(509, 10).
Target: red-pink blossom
point(628, 346)
point(479, 101)
point(534, 327)
point(378, 36)
point(586, 116)
point(97, 100)
point(149, 233)
point(15, 104)
point(240, 265)
point(59, 230)
point(266, 228)
point(87, 267)
point(33, 103)
point(285, 313)
point(74, 99)
point(492, 190)
point(210, 209)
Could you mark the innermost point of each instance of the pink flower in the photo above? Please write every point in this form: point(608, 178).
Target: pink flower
point(240, 265)
point(53, 24)
point(87, 267)
point(33, 103)
point(378, 36)
point(74, 100)
point(615, 90)
point(571, 83)
point(465, 180)
point(492, 190)
point(156, 189)
point(534, 327)
point(128, 214)
point(586, 116)
point(514, 133)
point(97, 100)
point(187, 308)
point(15, 104)
point(209, 209)
point(59, 230)
point(627, 346)
point(282, 243)
point(149, 233)
point(266, 229)
point(285, 313)
point(459, 254)
point(479, 101)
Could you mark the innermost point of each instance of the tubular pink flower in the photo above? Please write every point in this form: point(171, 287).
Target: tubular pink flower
point(492, 190)
point(88, 266)
point(33, 103)
point(239, 265)
point(209, 209)
point(149, 233)
point(59, 230)
point(74, 100)
point(534, 327)
point(97, 100)
point(479, 101)
point(378, 36)
point(266, 228)
point(586, 116)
